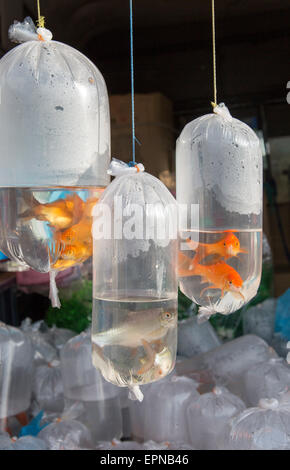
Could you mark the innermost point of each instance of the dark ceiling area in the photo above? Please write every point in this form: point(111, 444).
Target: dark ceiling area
point(173, 50)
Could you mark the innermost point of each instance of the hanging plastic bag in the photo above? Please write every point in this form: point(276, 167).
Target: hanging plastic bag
point(134, 329)
point(55, 151)
point(219, 170)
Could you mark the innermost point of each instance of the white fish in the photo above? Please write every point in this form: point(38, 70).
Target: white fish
point(144, 325)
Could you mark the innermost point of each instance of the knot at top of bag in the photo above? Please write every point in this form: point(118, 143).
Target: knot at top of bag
point(27, 31)
point(118, 168)
point(222, 110)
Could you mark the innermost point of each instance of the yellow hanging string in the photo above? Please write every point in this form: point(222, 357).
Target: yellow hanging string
point(213, 103)
point(40, 21)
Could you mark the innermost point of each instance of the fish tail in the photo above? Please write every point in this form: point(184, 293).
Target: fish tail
point(26, 215)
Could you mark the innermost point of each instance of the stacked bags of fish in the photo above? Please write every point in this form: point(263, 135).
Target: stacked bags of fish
point(228, 363)
point(16, 357)
point(47, 384)
point(101, 401)
point(149, 445)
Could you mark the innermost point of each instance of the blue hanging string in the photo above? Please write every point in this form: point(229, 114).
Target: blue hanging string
point(132, 82)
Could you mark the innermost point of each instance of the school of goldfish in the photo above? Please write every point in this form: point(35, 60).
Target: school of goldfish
point(209, 263)
point(71, 221)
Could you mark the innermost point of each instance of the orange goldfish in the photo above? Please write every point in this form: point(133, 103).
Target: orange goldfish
point(219, 276)
point(80, 232)
point(77, 251)
point(225, 248)
point(59, 214)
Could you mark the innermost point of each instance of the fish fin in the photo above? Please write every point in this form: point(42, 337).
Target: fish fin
point(151, 354)
point(243, 251)
point(237, 294)
point(133, 352)
point(192, 245)
point(206, 288)
point(159, 345)
point(183, 260)
point(185, 272)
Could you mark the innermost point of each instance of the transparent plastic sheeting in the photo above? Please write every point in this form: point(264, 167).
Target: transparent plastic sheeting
point(219, 168)
point(55, 151)
point(134, 329)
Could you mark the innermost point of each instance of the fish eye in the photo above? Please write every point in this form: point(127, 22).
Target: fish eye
point(230, 282)
point(225, 244)
point(167, 315)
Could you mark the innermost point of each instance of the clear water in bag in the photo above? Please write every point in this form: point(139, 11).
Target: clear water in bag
point(47, 228)
point(134, 329)
point(219, 267)
point(134, 339)
point(219, 172)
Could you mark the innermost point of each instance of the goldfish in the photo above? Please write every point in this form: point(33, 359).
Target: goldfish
point(139, 326)
point(59, 214)
point(227, 247)
point(219, 276)
point(80, 232)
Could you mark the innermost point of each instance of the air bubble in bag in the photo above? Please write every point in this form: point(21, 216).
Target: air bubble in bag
point(101, 407)
point(16, 369)
point(267, 380)
point(162, 414)
point(208, 415)
point(266, 427)
point(55, 151)
point(134, 329)
point(219, 170)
